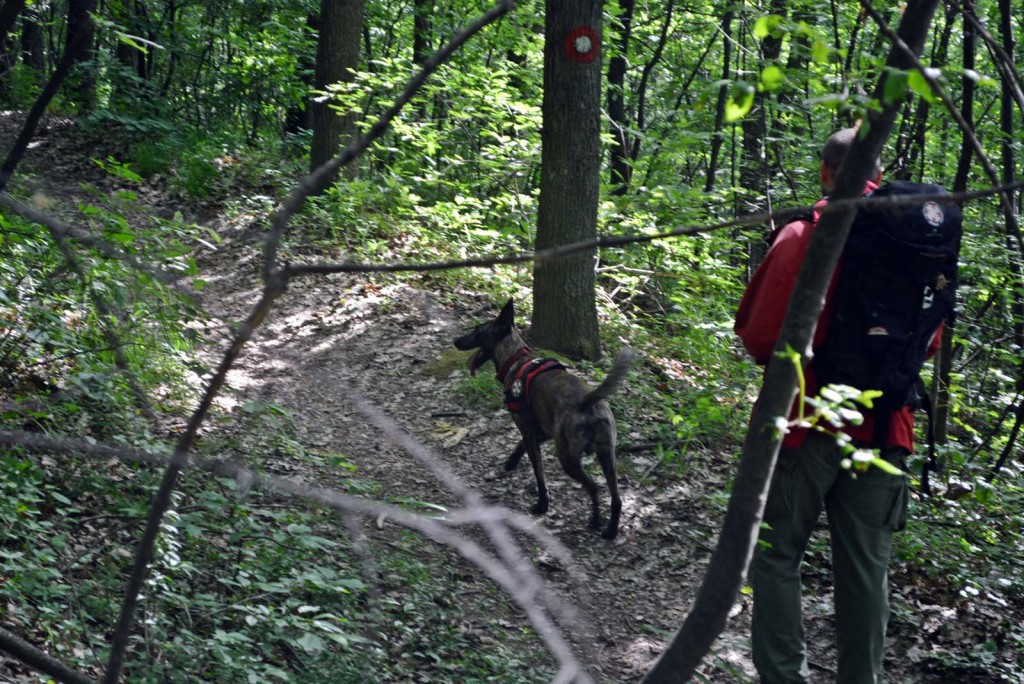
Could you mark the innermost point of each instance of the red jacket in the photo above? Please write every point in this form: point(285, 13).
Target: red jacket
point(763, 307)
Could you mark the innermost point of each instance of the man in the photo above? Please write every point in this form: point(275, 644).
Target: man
point(863, 512)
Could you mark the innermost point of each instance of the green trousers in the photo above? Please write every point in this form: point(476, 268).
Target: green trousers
point(863, 512)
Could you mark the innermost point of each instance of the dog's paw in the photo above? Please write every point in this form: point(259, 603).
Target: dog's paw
point(539, 508)
point(610, 532)
point(511, 464)
point(596, 522)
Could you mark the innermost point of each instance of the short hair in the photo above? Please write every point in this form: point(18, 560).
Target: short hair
point(838, 144)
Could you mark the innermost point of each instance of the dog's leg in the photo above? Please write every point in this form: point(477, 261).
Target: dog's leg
point(532, 447)
point(517, 455)
point(573, 467)
point(606, 457)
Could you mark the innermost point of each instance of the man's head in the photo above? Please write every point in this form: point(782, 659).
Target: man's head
point(833, 153)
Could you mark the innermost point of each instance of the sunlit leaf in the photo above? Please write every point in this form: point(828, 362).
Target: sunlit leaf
point(741, 99)
point(820, 51)
point(766, 26)
point(772, 78)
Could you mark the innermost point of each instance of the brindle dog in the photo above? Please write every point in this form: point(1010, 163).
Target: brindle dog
point(559, 406)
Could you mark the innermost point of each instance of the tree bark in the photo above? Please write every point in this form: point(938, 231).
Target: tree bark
point(723, 92)
point(746, 504)
point(621, 169)
point(32, 54)
point(944, 357)
point(298, 117)
point(9, 12)
point(1006, 26)
point(565, 310)
point(81, 36)
point(340, 25)
point(423, 30)
point(754, 164)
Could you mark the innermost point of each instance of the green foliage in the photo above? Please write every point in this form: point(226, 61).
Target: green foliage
point(248, 589)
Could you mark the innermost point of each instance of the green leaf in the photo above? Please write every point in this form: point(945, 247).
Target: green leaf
point(895, 86)
point(867, 397)
point(820, 51)
point(60, 497)
point(766, 26)
point(741, 99)
point(919, 84)
point(772, 78)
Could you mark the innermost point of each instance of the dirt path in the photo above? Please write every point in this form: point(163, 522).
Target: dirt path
point(340, 337)
point(333, 340)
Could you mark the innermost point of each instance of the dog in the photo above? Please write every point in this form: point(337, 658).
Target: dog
point(548, 402)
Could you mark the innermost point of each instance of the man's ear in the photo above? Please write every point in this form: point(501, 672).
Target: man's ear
point(507, 317)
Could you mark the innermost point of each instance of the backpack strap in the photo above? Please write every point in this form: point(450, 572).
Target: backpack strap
point(931, 464)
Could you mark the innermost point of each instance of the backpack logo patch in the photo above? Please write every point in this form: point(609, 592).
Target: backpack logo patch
point(933, 214)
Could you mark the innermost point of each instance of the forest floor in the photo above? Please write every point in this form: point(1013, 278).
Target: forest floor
point(389, 343)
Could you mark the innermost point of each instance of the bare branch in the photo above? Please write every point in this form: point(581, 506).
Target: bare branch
point(757, 219)
point(40, 660)
point(275, 283)
point(59, 229)
point(530, 595)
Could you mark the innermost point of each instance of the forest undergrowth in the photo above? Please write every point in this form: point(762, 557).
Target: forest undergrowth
point(249, 586)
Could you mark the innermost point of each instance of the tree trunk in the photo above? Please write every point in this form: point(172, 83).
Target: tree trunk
point(9, 12)
point(754, 164)
point(723, 92)
point(621, 169)
point(761, 447)
point(32, 52)
point(423, 30)
point(565, 310)
point(81, 35)
point(1006, 26)
point(944, 358)
point(341, 23)
point(299, 117)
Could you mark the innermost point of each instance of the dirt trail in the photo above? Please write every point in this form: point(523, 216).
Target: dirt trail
point(335, 338)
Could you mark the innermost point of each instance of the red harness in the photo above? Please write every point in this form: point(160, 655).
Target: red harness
point(517, 385)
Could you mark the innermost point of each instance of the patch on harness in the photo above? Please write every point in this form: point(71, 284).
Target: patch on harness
point(517, 390)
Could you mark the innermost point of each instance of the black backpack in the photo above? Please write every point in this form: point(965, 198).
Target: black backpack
point(897, 284)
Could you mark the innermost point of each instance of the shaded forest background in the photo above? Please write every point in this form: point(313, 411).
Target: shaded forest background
point(185, 113)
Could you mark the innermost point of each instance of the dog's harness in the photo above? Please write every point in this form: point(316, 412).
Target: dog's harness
point(518, 382)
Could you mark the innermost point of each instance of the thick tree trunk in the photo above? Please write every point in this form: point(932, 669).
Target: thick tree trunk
point(565, 310)
point(746, 504)
point(341, 23)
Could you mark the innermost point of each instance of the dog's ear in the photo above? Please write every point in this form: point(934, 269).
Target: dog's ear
point(507, 317)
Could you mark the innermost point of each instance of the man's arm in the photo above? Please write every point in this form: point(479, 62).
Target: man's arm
point(766, 298)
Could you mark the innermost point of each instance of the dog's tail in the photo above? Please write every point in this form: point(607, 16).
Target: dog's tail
point(620, 368)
